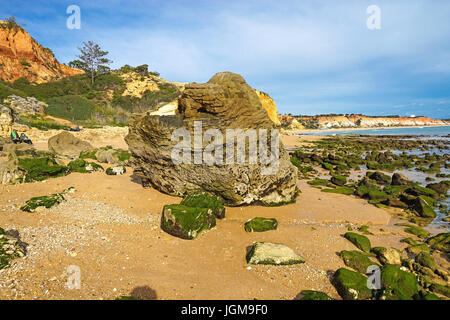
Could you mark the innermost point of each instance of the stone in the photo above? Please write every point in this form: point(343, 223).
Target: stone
point(351, 285)
point(260, 224)
point(273, 254)
point(186, 222)
point(388, 255)
point(418, 248)
point(7, 118)
point(116, 171)
point(423, 208)
point(379, 177)
point(205, 200)
point(440, 242)
point(398, 284)
point(314, 295)
point(25, 106)
point(360, 241)
point(421, 233)
point(225, 102)
point(10, 172)
point(440, 289)
point(440, 187)
point(400, 180)
point(426, 260)
point(339, 180)
point(83, 166)
point(67, 145)
point(357, 260)
point(39, 169)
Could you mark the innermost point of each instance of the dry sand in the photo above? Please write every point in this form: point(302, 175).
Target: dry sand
point(110, 230)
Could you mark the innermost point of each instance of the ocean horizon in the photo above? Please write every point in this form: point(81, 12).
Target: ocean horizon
point(420, 131)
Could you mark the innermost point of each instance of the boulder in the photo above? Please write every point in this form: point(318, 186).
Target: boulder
point(66, 145)
point(400, 180)
point(360, 241)
point(357, 260)
point(226, 101)
point(338, 180)
point(186, 222)
point(398, 284)
point(423, 208)
point(116, 171)
point(7, 117)
point(351, 285)
point(273, 254)
point(10, 249)
point(205, 200)
point(83, 166)
point(440, 242)
point(379, 177)
point(426, 260)
point(260, 224)
point(314, 295)
point(388, 255)
point(10, 172)
point(440, 187)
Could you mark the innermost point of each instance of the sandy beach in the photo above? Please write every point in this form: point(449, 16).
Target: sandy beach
point(110, 229)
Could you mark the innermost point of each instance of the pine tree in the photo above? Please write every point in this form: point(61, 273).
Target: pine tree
point(92, 60)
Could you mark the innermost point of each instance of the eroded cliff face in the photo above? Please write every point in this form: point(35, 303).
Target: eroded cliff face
point(22, 57)
point(355, 121)
point(269, 105)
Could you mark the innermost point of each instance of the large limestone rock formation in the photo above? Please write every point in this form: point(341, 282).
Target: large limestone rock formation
point(226, 101)
point(67, 145)
point(6, 120)
point(26, 106)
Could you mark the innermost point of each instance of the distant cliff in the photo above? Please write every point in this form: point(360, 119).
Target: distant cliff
point(22, 57)
point(354, 121)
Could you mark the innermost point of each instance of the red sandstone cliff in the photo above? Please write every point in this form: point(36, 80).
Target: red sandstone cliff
point(22, 57)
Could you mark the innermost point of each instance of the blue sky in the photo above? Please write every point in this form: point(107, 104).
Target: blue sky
point(312, 57)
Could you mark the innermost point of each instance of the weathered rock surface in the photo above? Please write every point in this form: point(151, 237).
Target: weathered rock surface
point(28, 105)
point(225, 102)
point(6, 120)
point(273, 254)
point(67, 145)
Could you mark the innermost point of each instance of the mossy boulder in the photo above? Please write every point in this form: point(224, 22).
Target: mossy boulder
point(423, 208)
point(360, 241)
point(379, 177)
point(440, 289)
point(186, 222)
point(398, 284)
point(10, 249)
point(82, 166)
point(116, 171)
point(357, 260)
point(39, 169)
point(342, 190)
point(395, 203)
point(388, 255)
point(440, 187)
point(418, 248)
point(351, 285)
point(46, 201)
point(260, 224)
point(205, 200)
point(421, 233)
point(319, 182)
point(327, 166)
point(426, 260)
point(363, 191)
point(400, 180)
point(272, 254)
point(440, 242)
point(314, 295)
point(339, 180)
point(422, 191)
point(378, 195)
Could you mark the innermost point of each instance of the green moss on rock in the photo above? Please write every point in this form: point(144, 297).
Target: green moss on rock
point(398, 284)
point(421, 233)
point(314, 295)
point(205, 200)
point(342, 190)
point(351, 285)
point(260, 224)
point(83, 166)
point(357, 260)
point(186, 222)
point(39, 169)
point(339, 180)
point(360, 241)
point(440, 242)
